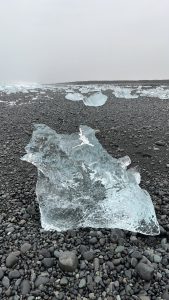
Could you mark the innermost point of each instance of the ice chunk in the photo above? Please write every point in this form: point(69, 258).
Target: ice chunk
point(19, 87)
point(84, 90)
point(97, 99)
point(125, 161)
point(74, 96)
point(123, 92)
point(80, 185)
point(158, 92)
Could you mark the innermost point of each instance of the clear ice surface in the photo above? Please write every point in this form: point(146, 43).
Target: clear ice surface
point(97, 99)
point(80, 185)
point(74, 96)
point(124, 92)
point(158, 92)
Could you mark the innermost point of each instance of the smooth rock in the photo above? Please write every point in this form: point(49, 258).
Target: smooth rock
point(48, 262)
point(25, 247)
point(82, 283)
point(57, 253)
point(14, 274)
point(93, 240)
point(41, 280)
point(119, 249)
point(92, 296)
point(116, 234)
point(16, 297)
point(8, 292)
point(96, 264)
point(11, 260)
point(157, 258)
point(6, 282)
point(63, 281)
point(88, 255)
point(68, 261)
point(134, 262)
point(25, 287)
point(45, 252)
point(97, 279)
point(143, 297)
point(145, 271)
point(136, 254)
point(83, 248)
point(160, 143)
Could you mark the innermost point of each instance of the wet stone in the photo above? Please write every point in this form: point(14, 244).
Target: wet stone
point(11, 260)
point(136, 254)
point(68, 261)
point(82, 283)
point(63, 281)
point(88, 255)
point(160, 143)
point(92, 296)
point(97, 279)
point(157, 258)
point(25, 287)
point(8, 292)
point(117, 261)
point(57, 253)
point(134, 262)
point(116, 234)
point(14, 274)
point(17, 282)
point(16, 297)
point(45, 252)
point(96, 264)
point(93, 240)
point(145, 271)
point(119, 249)
point(41, 280)
point(83, 248)
point(143, 297)
point(6, 282)
point(25, 247)
point(48, 262)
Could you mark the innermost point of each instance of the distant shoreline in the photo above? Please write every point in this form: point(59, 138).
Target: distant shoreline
point(152, 82)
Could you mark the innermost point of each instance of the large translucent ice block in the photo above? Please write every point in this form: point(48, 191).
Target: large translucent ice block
point(80, 185)
point(96, 99)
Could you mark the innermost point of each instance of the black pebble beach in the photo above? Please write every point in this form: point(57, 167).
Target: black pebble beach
point(82, 263)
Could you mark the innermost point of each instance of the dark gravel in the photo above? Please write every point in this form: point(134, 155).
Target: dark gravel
point(85, 263)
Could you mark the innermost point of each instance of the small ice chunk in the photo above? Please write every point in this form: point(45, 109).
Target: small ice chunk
point(158, 92)
point(135, 174)
point(84, 90)
point(97, 99)
point(74, 96)
point(125, 161)
point(123, 92)
point(81, 185)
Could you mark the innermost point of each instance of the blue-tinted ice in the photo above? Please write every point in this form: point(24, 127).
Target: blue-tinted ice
point(80, 185)
point(96, 99)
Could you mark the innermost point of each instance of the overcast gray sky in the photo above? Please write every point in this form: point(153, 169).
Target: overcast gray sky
point(52, 41)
